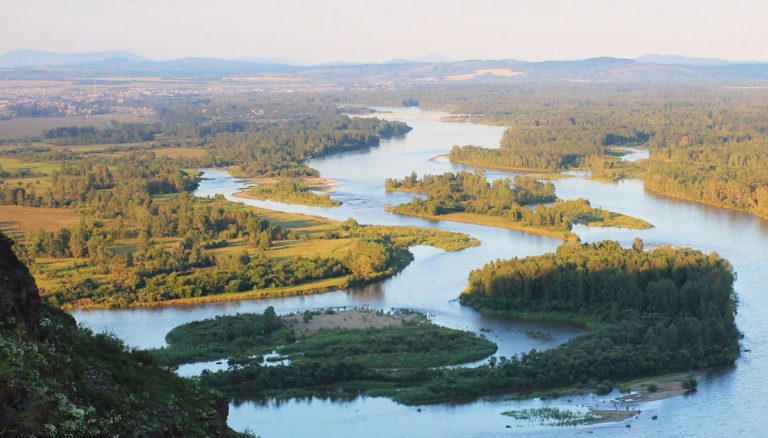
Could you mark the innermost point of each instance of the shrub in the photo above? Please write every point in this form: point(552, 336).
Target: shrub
point(604, 388)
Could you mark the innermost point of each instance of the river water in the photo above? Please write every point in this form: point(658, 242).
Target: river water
point(727, 401)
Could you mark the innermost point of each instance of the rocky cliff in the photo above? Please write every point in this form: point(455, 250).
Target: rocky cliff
point(60, 380)
point(19, 297)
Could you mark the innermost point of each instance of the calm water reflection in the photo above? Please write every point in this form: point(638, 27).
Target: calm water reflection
point(726, 402)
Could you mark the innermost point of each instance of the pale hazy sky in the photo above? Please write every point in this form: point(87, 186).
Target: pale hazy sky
point(377, 30)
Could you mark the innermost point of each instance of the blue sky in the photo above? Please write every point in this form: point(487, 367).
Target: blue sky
point(375, 30)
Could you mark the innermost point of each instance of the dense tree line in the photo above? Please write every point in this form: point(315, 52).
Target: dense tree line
point(708, 144)
point(281, 149)
point(114, 133)
point(86, 183)
point(472, 193)
point(474, 189)
point(605, 280)
point(743, 189)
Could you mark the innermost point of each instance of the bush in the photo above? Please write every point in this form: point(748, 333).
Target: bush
point(690, 382)
point(604, 388)
point(652, 387)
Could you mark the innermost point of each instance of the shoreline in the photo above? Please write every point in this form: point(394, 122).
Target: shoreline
point(290, 291)
point(313, 191)
point(316, 183)
point(504, 168)
point(501, 222)
point(706, 203)
point(482, 221)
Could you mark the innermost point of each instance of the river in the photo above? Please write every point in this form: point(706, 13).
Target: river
point(726, 401)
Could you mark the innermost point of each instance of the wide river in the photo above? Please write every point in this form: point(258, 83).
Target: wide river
point(726, 402)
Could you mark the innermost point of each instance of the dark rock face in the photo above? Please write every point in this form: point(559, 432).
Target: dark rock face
point(19, 296)
point(26, 410)
point(220, 417)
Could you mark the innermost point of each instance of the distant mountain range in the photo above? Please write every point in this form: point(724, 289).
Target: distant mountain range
point(38, 58)
point(684, 60)
point(34, 64)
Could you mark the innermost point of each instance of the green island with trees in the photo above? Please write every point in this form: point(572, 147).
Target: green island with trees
point(289, 191)
point(468, 197)
point(377, 341)
point(648, 312)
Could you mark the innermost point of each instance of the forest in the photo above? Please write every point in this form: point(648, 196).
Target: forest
point(187, 248)
point(707, 144)
point(144, 239)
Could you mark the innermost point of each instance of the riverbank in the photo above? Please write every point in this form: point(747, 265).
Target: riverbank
point(698, 201)
point(502, 168)
point(318, 184)
point(659, 387)
point(615, 220)
point(498, 222)
point(307, 288)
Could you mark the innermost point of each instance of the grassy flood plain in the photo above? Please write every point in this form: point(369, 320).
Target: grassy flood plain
point(613, 220)
point(313, 237)
point(494, 221)
point(115, 225)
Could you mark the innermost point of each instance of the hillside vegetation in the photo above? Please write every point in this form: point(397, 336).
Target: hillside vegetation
point(61, 380)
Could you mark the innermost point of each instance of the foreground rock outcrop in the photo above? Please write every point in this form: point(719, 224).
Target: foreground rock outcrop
point(60, 380)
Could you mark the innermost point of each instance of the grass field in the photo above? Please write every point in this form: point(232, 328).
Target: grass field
point(287, 249)
point(18, 221)
point(25, 127)
point(298, 223)
point(617, 220)
point(12, 164)
point(180, 152)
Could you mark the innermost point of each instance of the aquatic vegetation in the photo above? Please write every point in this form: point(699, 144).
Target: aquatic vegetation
point(552, 416)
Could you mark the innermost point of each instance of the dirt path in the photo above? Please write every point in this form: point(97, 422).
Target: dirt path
point(346, 319)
